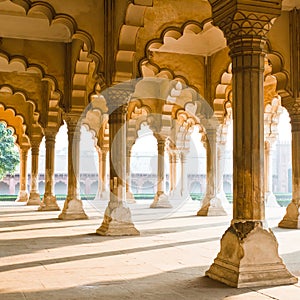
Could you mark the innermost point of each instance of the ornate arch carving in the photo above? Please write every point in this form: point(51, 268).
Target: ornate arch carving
point(125, 63)
point(15, 121)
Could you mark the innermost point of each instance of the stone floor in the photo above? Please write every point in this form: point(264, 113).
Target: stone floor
point(43, 258)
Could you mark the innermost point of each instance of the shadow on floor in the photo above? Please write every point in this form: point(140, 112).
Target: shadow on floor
point(185, 283)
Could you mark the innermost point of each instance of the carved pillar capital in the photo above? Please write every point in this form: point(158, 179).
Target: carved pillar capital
point(35, 147)
point(160, 144)
point(244, 18)
point(118, 96)
point(294, 111)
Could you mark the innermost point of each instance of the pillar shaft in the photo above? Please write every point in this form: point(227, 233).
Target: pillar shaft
point(184, 184)
point(117, 217)
point(23, 192)
point(73, 161)
point(99, 188)
point(49, 199)
point(296, 158)
point(50, 165)
point(172, 175)
point(104, 172)
point(292, 216)
point(249, 251)
point(220, 169)
point(160, 165)
point(270, 199)
point(268, 168)
point(34, 197)
point(73, 207)
point(213, 203)
point(160, 198)
point(129, 194)
point(248, 128)
point(34, 168)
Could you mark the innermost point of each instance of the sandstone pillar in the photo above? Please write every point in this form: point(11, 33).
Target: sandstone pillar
point(104, 189)
point(34, 196)
point(73, 207)
point(174, 169)
point(249, 251)
point(117, 217)
point(212, 203)
point(23, 192)
point(129, 194)
point(99, 188)
point(270, 198)
point(220, 172)
point(160, 198)
point(49, 200)
point(292, 216)
point(171, 173)
point(184, 191)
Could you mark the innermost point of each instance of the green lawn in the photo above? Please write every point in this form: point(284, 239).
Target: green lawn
point(282, 199)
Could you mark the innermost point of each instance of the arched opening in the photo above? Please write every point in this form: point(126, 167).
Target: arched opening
point(144, 162)
point(60, 188)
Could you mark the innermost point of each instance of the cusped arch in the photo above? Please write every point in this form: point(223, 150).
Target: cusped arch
point(95, 117)
point(17, 122)
point(192, 37)
point(17, 101)
point(125, 62)
point(275, 83)
point(44, 10)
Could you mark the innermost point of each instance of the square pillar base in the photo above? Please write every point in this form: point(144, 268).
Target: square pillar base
point(73, 210)
point(292, 217)
point(212, 207)
point(117, 222)
point(22, 197)
point(49, 203)
point(130, 198)
point(249, 258)
point(161, 200)
point(34, 199)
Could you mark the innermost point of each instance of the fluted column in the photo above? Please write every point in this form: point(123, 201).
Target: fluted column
point(49, 202)
point(160, 198)
point(23, 192)
point(249, 251)
point(270, 199)
point(73, 207)
point(129, 194)
point(212, 203)
point(117, 217)
point(34, 196)
point(292, 216)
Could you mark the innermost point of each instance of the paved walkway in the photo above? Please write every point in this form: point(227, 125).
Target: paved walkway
point(43, 258)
